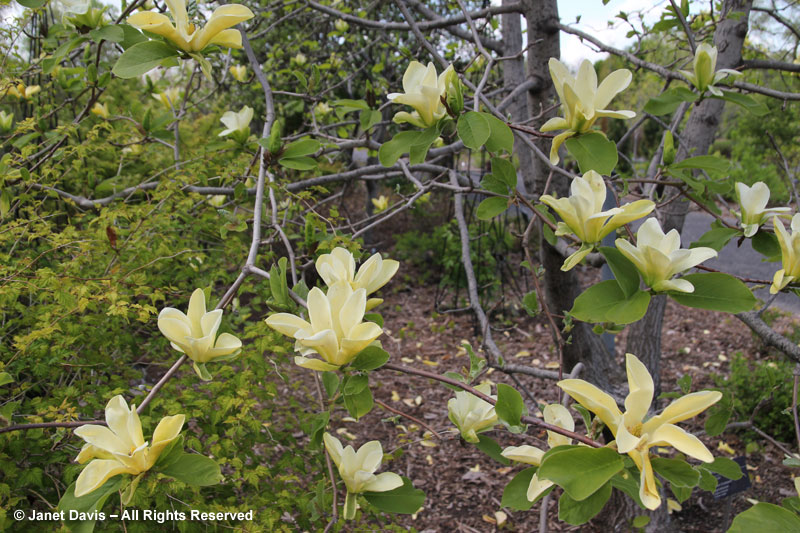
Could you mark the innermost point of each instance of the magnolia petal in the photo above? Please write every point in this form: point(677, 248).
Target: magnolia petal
point(173, 327)
point(166, 431)
point(648, 490)
point(640, 395)
point(319, 310)
point(334, 447)
point(680, 285)
point(560, 75)
point(576, 257)
point(286, 323)
point(197, 309)
point(324, 343)
point(90, 451)
point(557, 414)
point(210, 322)
point(622, 113)
point(223, 17)
point(684, 408)
point(749, 229)
point(369, 456)
point(680, 439)
point(558, 140)
point(537, 487)
point(630, 212)
point(612, 85)
point(411, 118)
point(555, 123)
point(97, 473)
point(626, 441)
point(715, 91)
point(585, 85)
point(119, 420)
point(353, 310)
point(415, 75)
point(779, 281)
point(530, 455)
point(314, 364)
point(226, 344)
point(693, 258)
point(387, 271)
point(595, 400)
point(372, 303)
point(103, 438)
point(158, 24)
point(383, 482)
point(228, 39)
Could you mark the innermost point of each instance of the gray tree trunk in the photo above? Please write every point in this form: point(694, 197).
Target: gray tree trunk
point(644, 339)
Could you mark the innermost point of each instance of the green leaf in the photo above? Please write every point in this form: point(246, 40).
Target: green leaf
point(390, 151)
point(767, 245)
point(679, 473)
point(716, 291)
point(370, 358)
point(500, 137)
point(330, 380)
point(473, 129)
point(509, 407)
point(88, 503)
point(5, 203)
point(114, 34)
point(624, 271)
point(515, 495)
point(629, 484)
point(668, 101)
point(593, 152)
point(606, 302)
point(491, 207)
point(132, 36)
point(715, 238)
point(456, 376)
point(531, 303)
point(490, 447)
point(579, 470)
point(31, 4)
point(300, 148)
point(748, 102)
point(707, 480)
point(765, 517)
point(141, 58)
point(318, 428)
point(709, 163)
point(403, 500)
point(504, 170)
point(368, 118)
point(577, 512)
point(685, 383)
point(724, 467)
point(25, 139)
point(193, 469)
point(681, 493)
point(419, 148)
point(298, 163)
point(374, 317)
point(355, 384)
point(718, 416)
point(5, 378)
point(359, 404)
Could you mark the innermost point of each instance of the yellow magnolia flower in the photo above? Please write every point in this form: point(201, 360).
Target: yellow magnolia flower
point(22, 91)
point(582, 214)
point(704, 74)
point(185, 36)
point(658, 257)
point(236, 121)
point(582, 101)
point(753, 202)
point(169, 98)
point(341, 25)
point(101, 110)
point(335, 331)
point(357, 470)
point(470, 414)
point(381, 203)
point(239, 73)
point(339, 265)
point(423, 91)
point(635, 435)
point(195, 333)
point(6, 121)
point(553, 414)
point(120, 448)
point(322, 108)
point(300, 59)
point(790, 254)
